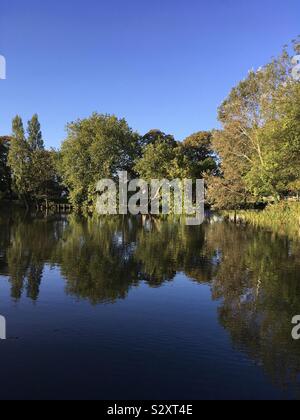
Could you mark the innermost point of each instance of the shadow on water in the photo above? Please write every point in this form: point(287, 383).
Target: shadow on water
point(253, 275)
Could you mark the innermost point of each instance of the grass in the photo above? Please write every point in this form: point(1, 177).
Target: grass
point(282, 218)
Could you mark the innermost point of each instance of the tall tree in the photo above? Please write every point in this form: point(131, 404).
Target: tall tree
point(19, 160)
point(33, 168)
point(35, 138)
point(259, 144)
point(5, 174)
point(18, 129)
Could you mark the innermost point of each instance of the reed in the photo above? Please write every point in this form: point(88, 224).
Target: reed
point(282, 218)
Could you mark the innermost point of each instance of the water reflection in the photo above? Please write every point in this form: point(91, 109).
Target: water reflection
point(102, 260)
point(26, 245)
point(253, 275)
point(257, 278)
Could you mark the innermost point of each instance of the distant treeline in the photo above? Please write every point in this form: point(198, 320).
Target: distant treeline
point(254, 158)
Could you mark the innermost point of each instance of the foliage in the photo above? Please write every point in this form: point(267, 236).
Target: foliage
point(35, 137)
point(259, 145)
point(5, 175)
point(19, 160)
point(32, 167)
point(156, 161)
point(197, 156)
point(97, 147)
point(165, 158)
point(155, 137)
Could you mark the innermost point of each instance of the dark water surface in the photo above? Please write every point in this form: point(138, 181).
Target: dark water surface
point(119, 309)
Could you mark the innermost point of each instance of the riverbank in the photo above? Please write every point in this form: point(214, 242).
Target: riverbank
point(282, 218)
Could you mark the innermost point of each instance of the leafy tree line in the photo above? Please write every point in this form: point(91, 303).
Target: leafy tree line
point(254, 157)
point(95, 148)
point(102, 145)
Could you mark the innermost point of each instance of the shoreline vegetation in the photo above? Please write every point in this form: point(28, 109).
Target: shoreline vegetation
point(252, 162)
point(282, 218)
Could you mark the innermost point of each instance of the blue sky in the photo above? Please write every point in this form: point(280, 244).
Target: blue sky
point(164, 64)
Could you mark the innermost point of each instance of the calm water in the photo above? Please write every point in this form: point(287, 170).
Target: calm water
point(121, 310)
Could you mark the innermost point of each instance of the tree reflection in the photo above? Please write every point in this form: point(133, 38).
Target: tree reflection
point(257, 281)
point(253, 274)
point(27, 244)
point(101, 260)
point(97, 259)
point(165, 249)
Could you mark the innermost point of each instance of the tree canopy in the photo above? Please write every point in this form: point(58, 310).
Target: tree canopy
point(259, 144)
point(96, 148)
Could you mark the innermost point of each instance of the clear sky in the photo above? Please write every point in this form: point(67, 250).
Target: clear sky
point(164, 64)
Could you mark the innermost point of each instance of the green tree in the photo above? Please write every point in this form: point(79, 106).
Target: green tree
point(33, 168)
point(259, 145)
point(19, 161)
point(45, 184)
point(5, 174)
point(97, 147)
point(157, 161)
point(227, 190)
point(197, 156)
point(35, 137)
point(155, 137)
